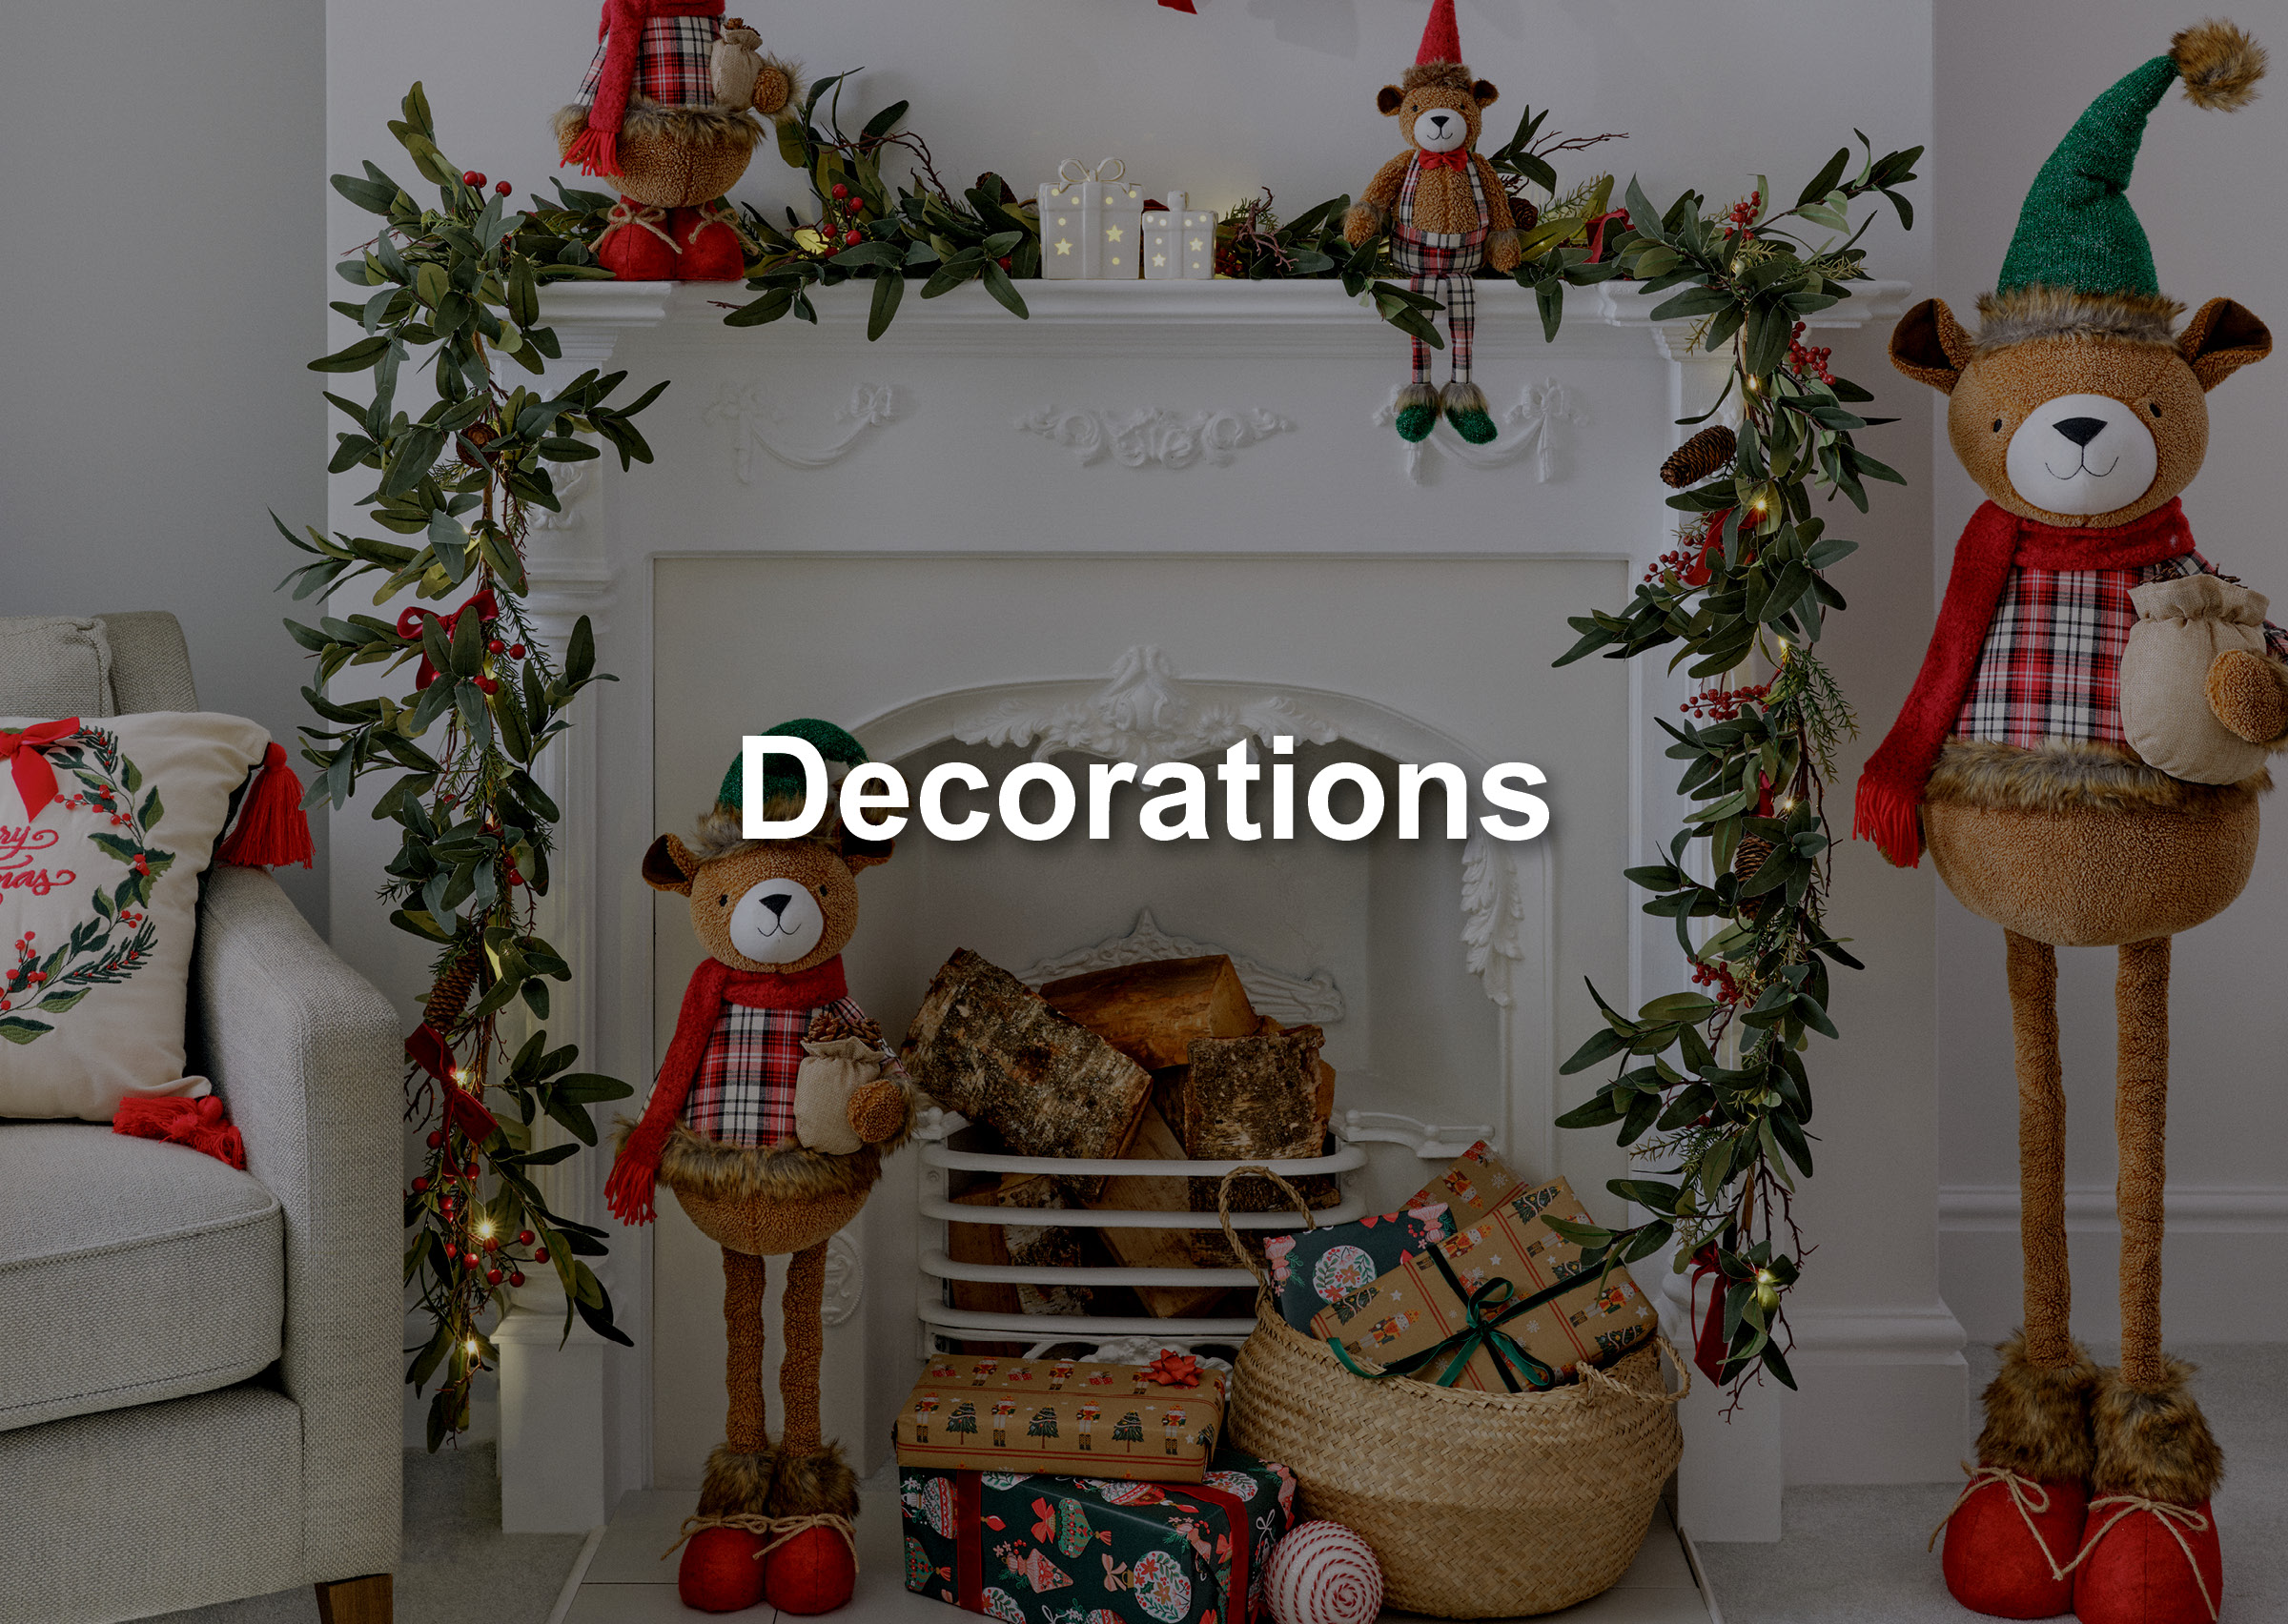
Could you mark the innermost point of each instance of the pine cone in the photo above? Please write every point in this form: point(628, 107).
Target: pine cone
point(1747, 858)
point(1707, 452)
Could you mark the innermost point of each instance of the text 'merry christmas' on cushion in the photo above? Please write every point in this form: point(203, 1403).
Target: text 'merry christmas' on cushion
point(106, 825)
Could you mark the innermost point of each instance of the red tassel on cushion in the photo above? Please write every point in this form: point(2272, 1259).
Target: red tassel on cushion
point(272, 828)
point(200, 1124)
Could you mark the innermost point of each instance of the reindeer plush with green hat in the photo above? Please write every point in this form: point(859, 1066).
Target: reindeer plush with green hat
point(2082, 755)
point(773, 1109)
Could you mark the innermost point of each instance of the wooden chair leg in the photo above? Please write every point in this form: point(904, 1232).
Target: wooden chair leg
point(364, 1600)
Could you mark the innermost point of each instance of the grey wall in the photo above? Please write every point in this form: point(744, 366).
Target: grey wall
point(163, 232)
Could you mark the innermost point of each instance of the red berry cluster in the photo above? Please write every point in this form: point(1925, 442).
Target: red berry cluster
point(1724, 705)
point(1806, 360)
point(846, 218)
point(1716, 976)
point(1743, 214)
point(101, 803)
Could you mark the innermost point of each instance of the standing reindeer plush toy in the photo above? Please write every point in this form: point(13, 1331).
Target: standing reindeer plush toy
point(1447, 213)
point(2082, 754)
point(773, 1109)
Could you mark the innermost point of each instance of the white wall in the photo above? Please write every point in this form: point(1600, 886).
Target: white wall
point(162, 224)
point(2209, 190)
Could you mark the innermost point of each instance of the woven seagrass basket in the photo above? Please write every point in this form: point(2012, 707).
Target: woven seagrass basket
point(1479, 1505)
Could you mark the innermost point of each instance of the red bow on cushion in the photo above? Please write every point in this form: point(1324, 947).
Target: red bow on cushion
point(1171, 1369)
point(412, 621)
point(1456, 160)
point(36, 779)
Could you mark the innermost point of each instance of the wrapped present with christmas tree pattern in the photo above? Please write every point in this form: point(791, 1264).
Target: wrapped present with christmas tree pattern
point(1152, 1423)
point(1044, 1549)
point(1502, 1306)
point(1313, 1270)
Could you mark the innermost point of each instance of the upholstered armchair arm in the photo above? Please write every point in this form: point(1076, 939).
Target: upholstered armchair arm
point(306, 1054)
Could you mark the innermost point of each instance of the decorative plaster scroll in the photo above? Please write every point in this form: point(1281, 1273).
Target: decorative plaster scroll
point(1145, 714)
point(1493, 911)
point(572, 480)
point(1287, 999)
point(1539, 423)
point(758, 412)
point(1172, 440)
point(846, 1277)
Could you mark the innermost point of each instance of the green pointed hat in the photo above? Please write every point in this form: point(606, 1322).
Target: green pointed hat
point(783, 784)
point(2078, 233)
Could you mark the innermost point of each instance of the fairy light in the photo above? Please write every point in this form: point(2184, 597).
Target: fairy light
point(471, 1347)
point(484, 1229)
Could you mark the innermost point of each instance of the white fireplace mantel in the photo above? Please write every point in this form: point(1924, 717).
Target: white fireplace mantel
point(1121, 420)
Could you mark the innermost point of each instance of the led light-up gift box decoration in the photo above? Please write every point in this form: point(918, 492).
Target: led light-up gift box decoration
point(1092, 223)
point(1179, 242)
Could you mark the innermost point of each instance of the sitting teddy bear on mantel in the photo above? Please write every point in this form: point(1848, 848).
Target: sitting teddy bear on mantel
point(773, 1109)
point(1446, 213)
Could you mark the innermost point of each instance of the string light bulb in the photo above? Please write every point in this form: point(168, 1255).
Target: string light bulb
point(484, 1229)
point(471, 1346)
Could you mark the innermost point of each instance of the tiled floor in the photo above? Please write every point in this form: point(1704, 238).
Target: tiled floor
point(627, 1583)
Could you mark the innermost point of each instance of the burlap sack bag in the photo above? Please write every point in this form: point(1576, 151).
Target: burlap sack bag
point(2182, 626)
point(829, 1075)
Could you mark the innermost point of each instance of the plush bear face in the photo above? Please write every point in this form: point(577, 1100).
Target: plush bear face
point(2080, 429)
point(1438, 112)
point(769, 906)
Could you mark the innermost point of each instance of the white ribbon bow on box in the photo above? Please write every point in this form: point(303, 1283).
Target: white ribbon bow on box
point(1091, 222)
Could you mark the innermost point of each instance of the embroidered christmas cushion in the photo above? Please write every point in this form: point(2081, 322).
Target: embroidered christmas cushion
point(106, 824)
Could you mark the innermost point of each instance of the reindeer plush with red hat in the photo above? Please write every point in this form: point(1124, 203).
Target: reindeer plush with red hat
point(666, 115)
point(1447, 213)
point(2082, 755)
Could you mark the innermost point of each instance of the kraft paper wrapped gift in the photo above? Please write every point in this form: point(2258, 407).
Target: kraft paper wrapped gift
point(1474, 1188)
point(1059, 1415)
point(1042, 1549)
point(1502, 1306)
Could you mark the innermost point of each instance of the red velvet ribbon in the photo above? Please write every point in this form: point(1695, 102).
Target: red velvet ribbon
point(1234, 1513)
point(1456, 160)
point(36, 779)
point(410, 624)
point(1180, 5)
point(1596, 232)
point(1708, 1346)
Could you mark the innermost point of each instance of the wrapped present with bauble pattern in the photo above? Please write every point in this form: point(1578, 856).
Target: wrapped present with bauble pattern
point(1504, 1305)
point(1092, 223)
point(1152, 1423)
point(1313, 1270)
point(1042, 1549)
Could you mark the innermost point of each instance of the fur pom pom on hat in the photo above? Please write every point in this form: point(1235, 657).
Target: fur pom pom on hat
point(2077, 231)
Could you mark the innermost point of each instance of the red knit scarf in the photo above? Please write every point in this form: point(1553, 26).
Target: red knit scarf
point(1994, 543)
point(629, 1191)
point(596, 150)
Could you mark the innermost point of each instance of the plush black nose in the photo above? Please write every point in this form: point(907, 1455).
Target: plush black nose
point(2081, 430)
point(777, 904)
point(1438, 119)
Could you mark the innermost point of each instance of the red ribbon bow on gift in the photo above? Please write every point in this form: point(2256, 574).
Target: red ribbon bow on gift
point(1456, 160)
point(1171, 1369)
point(36, 779)
point(1596, 232)
point(412, 624)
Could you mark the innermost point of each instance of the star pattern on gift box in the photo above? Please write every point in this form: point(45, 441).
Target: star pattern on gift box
point(1112, 234)
point(1063, 245)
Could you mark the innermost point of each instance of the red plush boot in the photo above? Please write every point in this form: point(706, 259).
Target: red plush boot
point(2149, 1562)
point(711, 250)
point(722, 1571)
point(814, 1572)
point(636, 247)
point(2011, 1543)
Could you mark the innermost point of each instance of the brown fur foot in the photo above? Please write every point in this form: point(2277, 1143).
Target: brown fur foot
point(737, 1484)
point(2153, 1442)
point(816, 1484)
point(2037, 1418)
point(2249, 694)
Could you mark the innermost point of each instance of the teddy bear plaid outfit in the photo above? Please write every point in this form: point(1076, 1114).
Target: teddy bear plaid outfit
point(673, 63)
point(1447, 259)
point(2051, 665)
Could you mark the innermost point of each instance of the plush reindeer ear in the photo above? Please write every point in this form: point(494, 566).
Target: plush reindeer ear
point(668, 865)
point(2220, 339)
point(1930, 346)
point(1484, 93)
point(1389, 99)
point(858, 852)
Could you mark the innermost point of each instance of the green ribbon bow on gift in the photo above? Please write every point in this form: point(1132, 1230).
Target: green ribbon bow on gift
point(1485, 1309)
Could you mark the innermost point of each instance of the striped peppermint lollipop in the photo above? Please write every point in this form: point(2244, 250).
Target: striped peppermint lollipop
point(1323, 1573)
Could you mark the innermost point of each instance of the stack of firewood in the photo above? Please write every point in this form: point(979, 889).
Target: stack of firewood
point(1163, 1060)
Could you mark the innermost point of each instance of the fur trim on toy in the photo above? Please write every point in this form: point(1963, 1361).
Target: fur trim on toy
point(737, 1483)
point(2220, 63)
point(815, 1483)
point(2069, 774)
point(2037, 1419)
point(716, 1171)
point(2038, 311)
point(2153, 1442)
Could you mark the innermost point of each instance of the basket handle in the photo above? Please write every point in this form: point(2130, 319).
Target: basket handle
point(1223, 1212)
point(1684, 1371)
